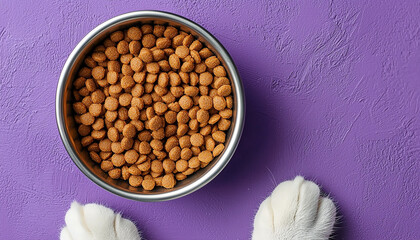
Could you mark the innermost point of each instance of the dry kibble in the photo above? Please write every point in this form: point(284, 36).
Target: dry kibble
point(226, 113)
point(116, 36)
point(134, 33)
point(186, 154)
point(214, 119)
point(122, 47)
point(223, 124)
point(97, 97)
point(146, 55)
point(116, 147)
point(152, 67)
point(205, 156)
point(219, 103)
point(174, 61)
point(95, 157)
point(212, 62)
point(194, 162)
point(111, 103)
point(219, 71)
point(148, 40)
point(112, 77)
point(115, 173)
point(84, 130)
point(185, 102)
point(160, 108)
point(175, 153)
point(117, 160)
point(224, 90)
point(98, 134)
point(87, 119)
point(126, 70)
point(152, 105)
point(218, 150)
point(129, 130)
point(113, 134)
point(202, 116)
point(182, 51)
point(219, 136)
point(144, 148)
point(135, 181)
point(99, 56)
point(79, 108)
point(197, 140)
point(148, 184)
point(145, 166)
point(205, 102)
point(112, 53)
point(156, 166)
point(168, 181)
point(136, 64)
point(95, 109)
point(127, 82)
point(106, 165)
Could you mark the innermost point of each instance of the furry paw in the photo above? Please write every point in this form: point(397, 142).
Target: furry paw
point(96, 222)
point(295, 211)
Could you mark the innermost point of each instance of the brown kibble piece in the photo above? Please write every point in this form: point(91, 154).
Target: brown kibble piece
point(87, 119)
point(182, 51)
point(115, 173)
point(212, 62)
point(205, 156)
point(185, 102)
point(174, 61)
point(135, 181)
point(168, 181)
point(205, 102)
point(134, 33)
point(148, 40)
point(181, 165)
point(156, 166)
point(218, 150)
point(129, 130)
point(205, 78)
point(118, 160)
point(106, 165)
point(111, 103)
point(95, 109)
point(219, 103)
point(148, 184)
point(219, 136)
point(202, 116)
point(197, 139)
point(224, 90)
point(144, 148)
point(112, 53)
point(219, 71)
point(175, 153)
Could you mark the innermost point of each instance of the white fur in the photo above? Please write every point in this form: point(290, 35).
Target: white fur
point(96, 222)
point(295, 211)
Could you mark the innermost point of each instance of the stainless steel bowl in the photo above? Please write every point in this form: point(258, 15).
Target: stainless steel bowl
point(67, 126)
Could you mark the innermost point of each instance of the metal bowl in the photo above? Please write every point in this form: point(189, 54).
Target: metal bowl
point(67, 126)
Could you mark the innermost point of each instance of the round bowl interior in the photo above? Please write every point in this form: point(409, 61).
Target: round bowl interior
point(67, 126)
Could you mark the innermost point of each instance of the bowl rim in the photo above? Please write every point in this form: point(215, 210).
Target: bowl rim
point(237, 128)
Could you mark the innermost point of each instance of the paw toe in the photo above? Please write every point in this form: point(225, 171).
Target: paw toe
point(308, 204)
point(326, 217)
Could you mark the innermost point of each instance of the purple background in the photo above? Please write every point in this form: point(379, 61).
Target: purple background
point(332, 90)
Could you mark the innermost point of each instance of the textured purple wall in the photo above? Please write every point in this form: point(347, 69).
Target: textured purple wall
point(333, 93)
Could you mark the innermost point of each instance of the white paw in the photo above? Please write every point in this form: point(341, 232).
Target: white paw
point(295, 211)
point(96, 222)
